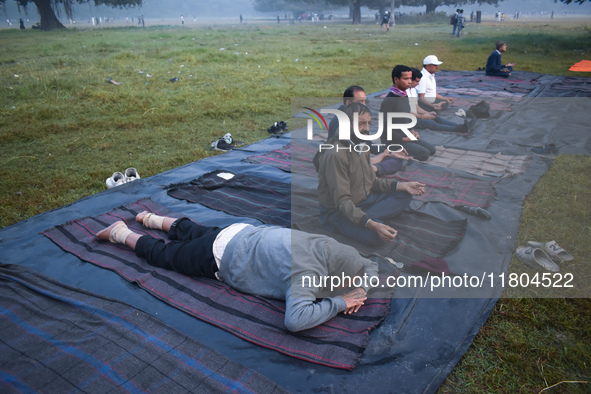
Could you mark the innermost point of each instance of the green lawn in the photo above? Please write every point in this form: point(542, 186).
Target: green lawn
point(64, 128)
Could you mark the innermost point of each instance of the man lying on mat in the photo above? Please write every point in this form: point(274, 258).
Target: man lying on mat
point(272, 262)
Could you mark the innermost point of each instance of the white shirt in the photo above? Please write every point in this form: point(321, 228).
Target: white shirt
point(428, 85)
point(223, 238)
point(413, 99)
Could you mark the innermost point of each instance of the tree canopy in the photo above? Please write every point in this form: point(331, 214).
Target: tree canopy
point(433, 4)
point(47, 9)
point(298, 6)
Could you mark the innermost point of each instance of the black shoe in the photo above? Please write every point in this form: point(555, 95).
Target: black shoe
point(274, 129)
point(463, 128)
point(476, 211)
point(225, 143)
point(282, 125)
point(472, 123)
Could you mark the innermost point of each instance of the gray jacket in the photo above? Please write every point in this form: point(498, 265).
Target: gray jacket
point(274, 262)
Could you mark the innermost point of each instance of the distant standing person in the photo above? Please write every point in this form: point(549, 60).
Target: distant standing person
point(454, 22)
point(21, 24)
point(386, 21)
point(182, 20)
point(460, 22)
point(241, 19)
point(278, 19)
point(494, 66)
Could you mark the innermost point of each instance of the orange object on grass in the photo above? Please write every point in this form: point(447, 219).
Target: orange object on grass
point(583, 65)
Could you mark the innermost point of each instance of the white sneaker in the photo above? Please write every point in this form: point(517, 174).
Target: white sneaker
point(131, 174)
point(115, 180)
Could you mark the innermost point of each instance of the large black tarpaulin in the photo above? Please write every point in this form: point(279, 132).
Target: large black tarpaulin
point(426, 333)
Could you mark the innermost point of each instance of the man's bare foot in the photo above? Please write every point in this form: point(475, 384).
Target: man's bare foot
point(140, 216)
point(103, 235)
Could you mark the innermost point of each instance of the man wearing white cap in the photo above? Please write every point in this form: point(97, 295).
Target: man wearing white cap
point(427, 88)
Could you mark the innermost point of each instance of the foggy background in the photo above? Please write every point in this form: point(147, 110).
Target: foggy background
point(223, 11)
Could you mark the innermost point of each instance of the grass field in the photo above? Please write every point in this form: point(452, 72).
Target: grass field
point(64, 129)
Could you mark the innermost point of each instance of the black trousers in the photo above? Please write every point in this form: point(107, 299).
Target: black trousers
point(190, 251)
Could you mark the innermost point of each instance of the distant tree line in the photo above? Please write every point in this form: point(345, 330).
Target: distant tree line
point(49, 8)
point(297, 7)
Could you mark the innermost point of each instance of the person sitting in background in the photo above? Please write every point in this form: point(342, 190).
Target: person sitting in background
point(397, 101)
point(494, 66)
point(384, 162)
point(353, 201)
point(427, 88)
point(353, 94)
point(429, 119)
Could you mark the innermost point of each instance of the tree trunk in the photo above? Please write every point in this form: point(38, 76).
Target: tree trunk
point(48, 19)
point(431, 6)
point(357, 12)
point(393, 16)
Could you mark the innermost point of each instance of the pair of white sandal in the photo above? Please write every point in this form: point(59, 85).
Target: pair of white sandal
point(545, 255)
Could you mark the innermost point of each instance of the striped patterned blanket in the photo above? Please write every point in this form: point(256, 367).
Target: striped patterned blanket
point(448, 188)
point(480, 163)
point(57, 339)
point(295, 157)
point(338, 343)
point(443, 187)
point(420, 236)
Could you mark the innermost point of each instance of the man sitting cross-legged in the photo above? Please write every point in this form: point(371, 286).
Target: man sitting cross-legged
point(383, 162)
point(268, 261)
point(353, 201)
point(397, 102)
point(494, 66)
point(429, 119)
point(429, 99)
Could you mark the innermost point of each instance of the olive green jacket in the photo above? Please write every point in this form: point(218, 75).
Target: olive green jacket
point(346, 178)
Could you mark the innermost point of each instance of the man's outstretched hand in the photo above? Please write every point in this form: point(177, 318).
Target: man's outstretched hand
point(355, 298)
point(384, 231)
point(403, 155)
point(412, 188)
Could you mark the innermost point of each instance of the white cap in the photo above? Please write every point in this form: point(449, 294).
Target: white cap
point(431, 59)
